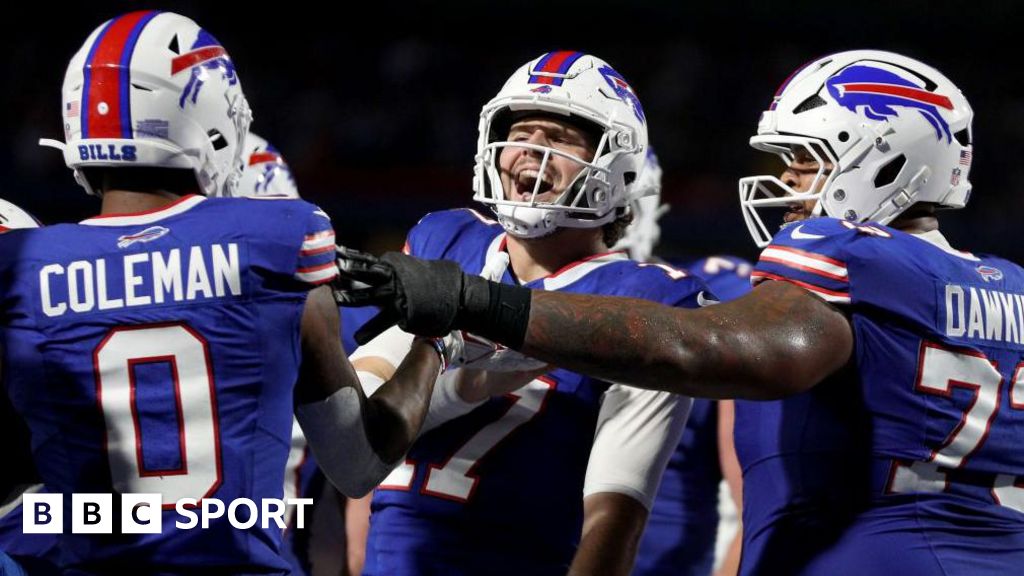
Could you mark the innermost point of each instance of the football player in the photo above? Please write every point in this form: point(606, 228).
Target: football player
point(897, 452)
point(160, 346)
point(558, 474)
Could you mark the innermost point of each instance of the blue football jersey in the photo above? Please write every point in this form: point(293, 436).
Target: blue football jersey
point(728, 277)
point(157, 353)
point(679, 539)
point(909, 460)
point(500, 490)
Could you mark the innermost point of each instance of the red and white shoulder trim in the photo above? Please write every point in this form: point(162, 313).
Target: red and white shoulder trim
point(833, 296)
point(806, 262)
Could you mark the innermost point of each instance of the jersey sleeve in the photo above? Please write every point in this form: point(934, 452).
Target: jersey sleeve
point(667, 285)
point(315, 259)
point(727, 276)
point(436, 233)
point(637, 432)
point(813, 255)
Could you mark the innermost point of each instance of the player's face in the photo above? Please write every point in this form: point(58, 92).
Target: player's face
point(520, 167)
point(799, 176)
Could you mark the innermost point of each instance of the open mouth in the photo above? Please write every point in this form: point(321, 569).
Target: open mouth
point(525, 182)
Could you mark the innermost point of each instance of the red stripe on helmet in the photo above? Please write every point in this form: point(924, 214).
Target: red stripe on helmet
point(261, 157)
point(105, 77)
point(901, 91)
point(556, 60)
point(186, 61)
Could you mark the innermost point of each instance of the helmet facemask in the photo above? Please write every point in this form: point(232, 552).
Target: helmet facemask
point(584, 203)
point(766, 199)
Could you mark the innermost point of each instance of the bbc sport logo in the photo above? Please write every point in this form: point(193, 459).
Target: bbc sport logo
point(143, 513)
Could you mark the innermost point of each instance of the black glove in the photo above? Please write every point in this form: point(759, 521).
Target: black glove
point(421, 296)
point(429, 297)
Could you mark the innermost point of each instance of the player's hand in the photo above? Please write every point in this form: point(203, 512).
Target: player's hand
point(422, 296)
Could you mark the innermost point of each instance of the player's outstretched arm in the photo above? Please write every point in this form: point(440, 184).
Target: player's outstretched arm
point(777, 340)
point(357, 441)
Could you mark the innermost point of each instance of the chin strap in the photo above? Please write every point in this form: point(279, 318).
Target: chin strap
point(51, 143)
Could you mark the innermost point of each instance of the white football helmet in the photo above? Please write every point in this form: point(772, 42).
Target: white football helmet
point(12, 216)
point(571, 85)
point(894, 130)
point(152, 88)
point(265, 172)
point(643, 232)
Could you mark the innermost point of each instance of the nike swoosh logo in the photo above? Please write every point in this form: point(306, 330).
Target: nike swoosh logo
point(702, 301)
point(798, 235)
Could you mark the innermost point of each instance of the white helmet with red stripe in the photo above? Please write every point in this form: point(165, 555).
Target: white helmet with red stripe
point(12, 216)
point(578, 87)
point(265, 172)
point(153, 89)
point(894, 130)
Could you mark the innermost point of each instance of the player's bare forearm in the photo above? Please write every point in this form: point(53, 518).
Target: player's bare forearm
point(357, 527)
point(325, 367)
point(399, 407)
point(612, 526)
point(777, 340)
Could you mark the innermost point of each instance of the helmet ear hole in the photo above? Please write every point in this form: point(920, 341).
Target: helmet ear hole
point(963, 137)
point(173, 46)
point(888, 174)
point(811, 103)
point(217, 140)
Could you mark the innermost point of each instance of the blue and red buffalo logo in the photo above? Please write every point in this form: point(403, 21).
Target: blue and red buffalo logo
point(271, 162)
point(877, 93)
point(623, 90)
point(205, 53)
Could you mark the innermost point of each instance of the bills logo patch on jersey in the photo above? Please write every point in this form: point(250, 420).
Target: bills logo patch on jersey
point(147, 235)
point(989, 273)
point(877, 93)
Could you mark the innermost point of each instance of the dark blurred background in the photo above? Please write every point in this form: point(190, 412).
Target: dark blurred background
point(376, 109)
